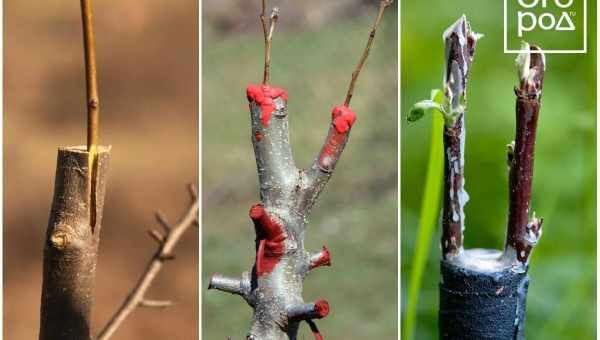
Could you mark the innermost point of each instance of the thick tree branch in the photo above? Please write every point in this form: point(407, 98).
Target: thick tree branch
point(523, 233)
point(460, 44)
point(137, 296)
point(71, 247)
point(277, 172)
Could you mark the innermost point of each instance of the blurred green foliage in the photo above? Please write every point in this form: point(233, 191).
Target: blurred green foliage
point(356, 216)
point(562, 294)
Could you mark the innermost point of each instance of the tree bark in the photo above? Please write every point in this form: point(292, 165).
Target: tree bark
point(274, 285)
point(71, 246)
point(460, 44)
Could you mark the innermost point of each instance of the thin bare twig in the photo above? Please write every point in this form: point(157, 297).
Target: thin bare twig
point(383, 4)
point(93, 102)
point(136, 297)
point(268, 37)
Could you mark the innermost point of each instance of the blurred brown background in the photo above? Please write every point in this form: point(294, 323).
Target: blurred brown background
point(148, 71)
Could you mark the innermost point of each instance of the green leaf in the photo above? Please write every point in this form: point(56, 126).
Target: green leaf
point(418, 110)
point(436, 104)
point(430, 208)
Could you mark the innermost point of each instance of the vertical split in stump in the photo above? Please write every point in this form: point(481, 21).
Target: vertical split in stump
point(71, 246)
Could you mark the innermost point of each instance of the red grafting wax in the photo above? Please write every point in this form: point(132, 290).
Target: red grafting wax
point(323, 260)
point(258, 136)
point(343, 118)
point(271, 238)
point(264, 96)
point(332, 149)
point(322, 308)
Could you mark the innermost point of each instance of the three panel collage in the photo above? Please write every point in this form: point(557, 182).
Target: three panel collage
point(282, 170)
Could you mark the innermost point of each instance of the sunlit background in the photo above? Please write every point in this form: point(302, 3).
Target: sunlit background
point(316, 47)
point(148, 67)
point(562, 294)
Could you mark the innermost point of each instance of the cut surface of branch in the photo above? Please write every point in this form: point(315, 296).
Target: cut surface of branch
point(71, 247)
point(137, 296)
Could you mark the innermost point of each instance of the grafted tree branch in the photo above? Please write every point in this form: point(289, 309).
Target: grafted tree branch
point(166, 244)
point(460, 42)
point(73, 232)
point(71, 247)
point(523, 233)
point(273, 288)
point(483, 291)
point(93, 101)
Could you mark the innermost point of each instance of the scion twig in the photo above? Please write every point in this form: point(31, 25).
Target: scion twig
point(523, 232)
point(383, 4)
point(136, 297)
point(93, 102)
point(460, 42)
point(268, 36)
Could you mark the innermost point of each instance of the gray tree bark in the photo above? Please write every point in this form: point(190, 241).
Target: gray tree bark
point(274, 285)
point(71, 245)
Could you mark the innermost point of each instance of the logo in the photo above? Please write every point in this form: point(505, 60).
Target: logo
point(557, 26)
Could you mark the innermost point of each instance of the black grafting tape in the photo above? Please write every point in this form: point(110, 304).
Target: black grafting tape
point(481, 304)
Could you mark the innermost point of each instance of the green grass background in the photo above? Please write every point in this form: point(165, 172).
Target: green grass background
point(356, 216)
point(562, 294)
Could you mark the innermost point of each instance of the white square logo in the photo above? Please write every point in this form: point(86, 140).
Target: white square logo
point(556, 26)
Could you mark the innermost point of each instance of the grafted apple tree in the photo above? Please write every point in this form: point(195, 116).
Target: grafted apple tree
point(273, 287)
point(483, 291)
point(73, 231)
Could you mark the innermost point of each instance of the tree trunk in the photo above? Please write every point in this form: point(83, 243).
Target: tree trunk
point(71, 245)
